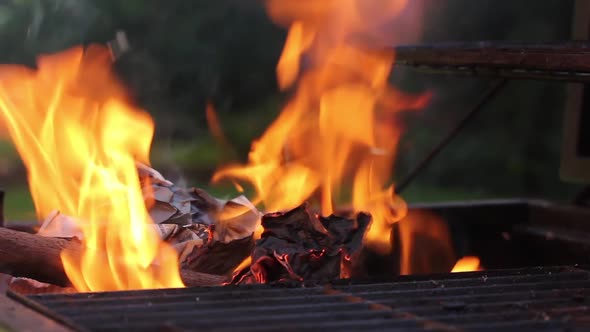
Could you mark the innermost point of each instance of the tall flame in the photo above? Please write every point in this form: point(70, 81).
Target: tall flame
point(340, 127)
point(80, 139)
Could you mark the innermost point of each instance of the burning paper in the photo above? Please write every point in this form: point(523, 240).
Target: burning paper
point(81, 140)
point(79, 137)
point(210, 235)
point(340, 129)
point(219, 232)
point(299, 245)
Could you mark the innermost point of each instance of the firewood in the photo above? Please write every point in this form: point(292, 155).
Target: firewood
point(23, 226)
point(37, 257)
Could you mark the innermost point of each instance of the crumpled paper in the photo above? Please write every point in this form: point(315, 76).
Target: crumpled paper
point(188, 219)
point(299, 245)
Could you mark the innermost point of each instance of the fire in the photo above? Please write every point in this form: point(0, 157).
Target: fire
point(80, 139)
point(339, 130)
point(467, 264)
point(425, 243)
point(244, 264)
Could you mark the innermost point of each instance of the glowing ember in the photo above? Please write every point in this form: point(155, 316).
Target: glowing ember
point(340, 128)
point(467, 264)
point(80, 139)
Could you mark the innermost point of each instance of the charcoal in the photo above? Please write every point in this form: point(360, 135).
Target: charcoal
point(299, 245)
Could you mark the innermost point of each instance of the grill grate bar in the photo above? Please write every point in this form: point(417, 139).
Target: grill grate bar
point(481, 281)
point(488, 293)
point(312, 318)
point(334, 302)
point(401, 282)
point(389, 325)
point(543, 299)
point(463, 318)
point(222, 294)
point(258, 312)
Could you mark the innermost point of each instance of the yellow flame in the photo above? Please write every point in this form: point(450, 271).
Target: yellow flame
point(80, 138)
point(339, 129)
point(244, 264)
point(467, 264)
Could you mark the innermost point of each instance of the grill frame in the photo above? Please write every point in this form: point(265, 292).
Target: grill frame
point(437, 302)
point(504, 234)
point(476, 228)
point(565, 61)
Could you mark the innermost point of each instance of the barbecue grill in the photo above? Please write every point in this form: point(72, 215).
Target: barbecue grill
point(535, 299)
point(536, 253)
point(506, 235)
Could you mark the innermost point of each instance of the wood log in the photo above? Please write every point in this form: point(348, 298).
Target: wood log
point(37, 257)
point(27, 226)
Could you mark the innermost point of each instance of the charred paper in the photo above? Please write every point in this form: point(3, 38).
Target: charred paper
point(210, 234)
point(299, 245)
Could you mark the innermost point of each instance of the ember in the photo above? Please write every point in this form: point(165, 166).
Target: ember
point(301, 246)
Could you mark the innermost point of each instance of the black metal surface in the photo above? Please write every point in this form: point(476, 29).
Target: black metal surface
point(534, 299)
point(503, 233)
point(562, 61)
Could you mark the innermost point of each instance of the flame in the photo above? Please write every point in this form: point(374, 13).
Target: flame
point(244, 264)
point(80, 139)
point(467, 264)
point(340, 128)
point(425, 243)
point(215, 127)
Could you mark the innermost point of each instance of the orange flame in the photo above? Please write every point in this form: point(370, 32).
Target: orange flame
point(80, 139)
point(340, 128)
point(215, 128)
point(244, 264)
point(467, 264)
point(425, 243)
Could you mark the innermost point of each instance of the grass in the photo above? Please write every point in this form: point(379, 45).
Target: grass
point(4, 328)
point(18, 204)
point(196, 154)
point(7, 150)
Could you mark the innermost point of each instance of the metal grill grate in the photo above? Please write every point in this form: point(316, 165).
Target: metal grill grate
point(536, 299)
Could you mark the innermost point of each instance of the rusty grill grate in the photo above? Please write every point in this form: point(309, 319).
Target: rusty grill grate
point(533, 299)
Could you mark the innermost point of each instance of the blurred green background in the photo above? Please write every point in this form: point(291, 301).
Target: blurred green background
point(184, 53)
